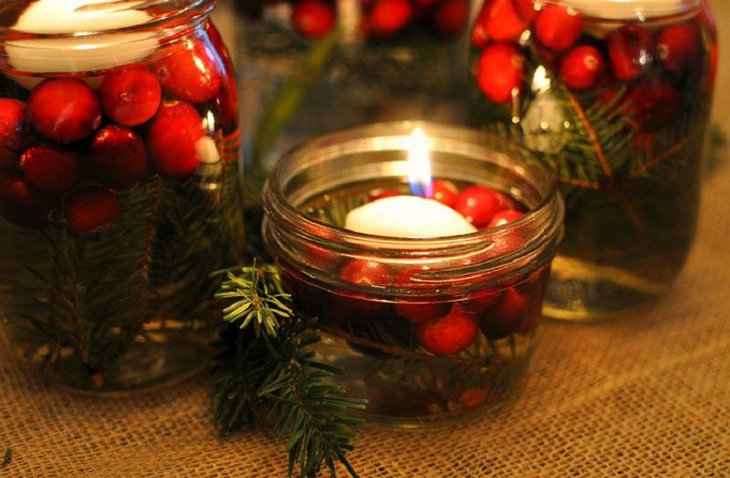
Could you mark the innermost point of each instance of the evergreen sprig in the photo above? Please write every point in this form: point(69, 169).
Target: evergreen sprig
point(265, 361)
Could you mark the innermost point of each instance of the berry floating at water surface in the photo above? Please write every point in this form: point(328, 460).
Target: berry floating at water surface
point(478, 204)
point(388, 17)
point(362, 273)
point(504, 217)
point(498, 21)
point(172, 139)
point(631, 50)
point(313, 18)
point(422, 309)
point(450, 17)
point(558, 27)
point(500, 71)
point(444, 192)
point(130, 97)
point(677, 45)
point(64, 110)
point(582, 67)
point(190, 73)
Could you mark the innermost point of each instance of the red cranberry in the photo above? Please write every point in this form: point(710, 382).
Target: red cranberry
point(500, 72)
point(504, 217)
point(653, 104)
point(631, 50)
point(13, 124)
point(118, 158)
point(366, 273)
point(227, 99)
point(450, 17)
point(482, 301)
point(526, 9)
point(388, 17)
point(64, 110)
point(313, 18)
point(449, 335)
point(172, 139)
point(22, 204)
point(498, 21)
point(473, 397)
point(444, 192)
point(581, 67)
point(381, 193)
point(362, 273)
point(418, 310)
point(558, 27)
point(191, 73)
point(50, 169)
point(506, 317)
point(321, 257)
point(677, 45)
point(91, 208)
point(478, 204)
point(130, 97)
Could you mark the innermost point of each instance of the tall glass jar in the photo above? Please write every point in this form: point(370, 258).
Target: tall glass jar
point(425, 328)
point(316, 66)
point(616, 96)
point(118, 187)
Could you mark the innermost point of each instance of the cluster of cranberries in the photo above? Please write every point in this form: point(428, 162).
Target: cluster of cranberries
point(384, 18)
point(72, 148)
point(584, 55)
point(444, 324)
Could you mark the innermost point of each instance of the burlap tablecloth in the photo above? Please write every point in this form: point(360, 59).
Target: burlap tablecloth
point(640, 397)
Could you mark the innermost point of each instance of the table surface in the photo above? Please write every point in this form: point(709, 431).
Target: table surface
point(643, 396)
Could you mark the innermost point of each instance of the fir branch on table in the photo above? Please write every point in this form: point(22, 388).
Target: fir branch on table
point(264, 361)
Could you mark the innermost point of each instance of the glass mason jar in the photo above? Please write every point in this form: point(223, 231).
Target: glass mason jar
point(425, 328)
point(615, 96)
point(118, 187)
point(311, 67)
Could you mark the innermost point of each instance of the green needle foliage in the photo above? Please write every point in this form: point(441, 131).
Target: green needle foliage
point(265, 362)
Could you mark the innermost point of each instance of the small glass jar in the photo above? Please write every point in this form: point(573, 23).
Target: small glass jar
point(615, 95)
point(346, 63)
point(118, 188)
point(430, 328)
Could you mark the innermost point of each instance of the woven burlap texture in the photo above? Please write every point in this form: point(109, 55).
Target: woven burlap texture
point(639, 397)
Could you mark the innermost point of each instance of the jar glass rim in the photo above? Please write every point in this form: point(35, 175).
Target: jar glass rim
point(274, 196)
point(181, 12)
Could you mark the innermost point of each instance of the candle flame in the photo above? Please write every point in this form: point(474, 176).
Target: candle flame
point(419, 164)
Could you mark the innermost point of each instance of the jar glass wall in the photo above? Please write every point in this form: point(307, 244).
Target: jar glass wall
point(118, 191)
point(616, 97)
point(374, 61)
point(438, 327)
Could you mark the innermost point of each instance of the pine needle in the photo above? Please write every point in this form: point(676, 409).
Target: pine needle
point(264, 361)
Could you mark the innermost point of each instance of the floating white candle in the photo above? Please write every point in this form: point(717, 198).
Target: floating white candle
point(407, 217)
point(82, 53)
point(630, 9)
point(410, 216)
